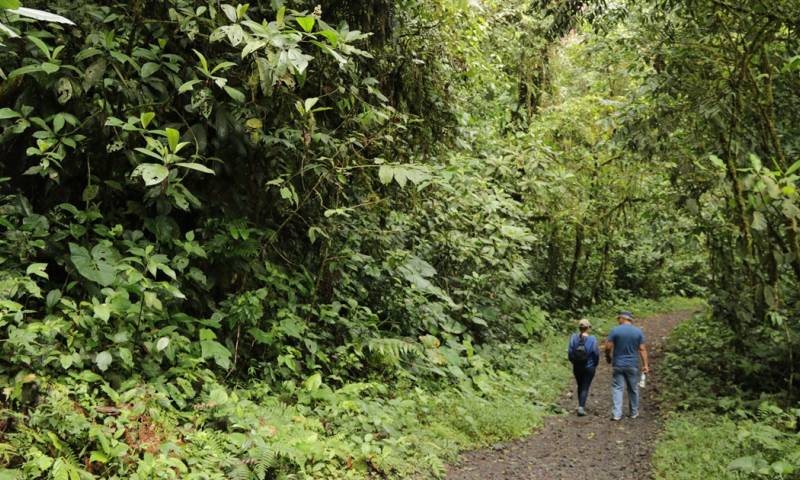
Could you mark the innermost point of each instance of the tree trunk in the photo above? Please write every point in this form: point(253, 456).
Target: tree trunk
point(573, 269)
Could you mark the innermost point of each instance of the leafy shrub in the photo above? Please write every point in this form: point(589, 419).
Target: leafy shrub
point(730, 428)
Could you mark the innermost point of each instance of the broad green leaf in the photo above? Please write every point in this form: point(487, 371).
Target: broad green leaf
point(782, 467)
point(162, 343)
point(90, 193)
point(331, 36)
point(6, 113)
point(479, 321)
point(94, 266)
point(87, 53)
point(146, 118)
point(235, 94)
point(41, 15)
point(223, 66)
point(102, 311)
point(235, 35)
point(173, 137)
point(126, 356)
point(58, 122)
point(203, 61)
point(103, 360)
point(11, 33)
point(400, 176)
point(149, 69)
point(215, 350)
point(207, 334)
point(49, 68)
point(313, 382)
point(755, 162)
point(386, 174)
point(25, 70)
point(10, 4)
point(37, 269)
point(218, 396)
point(151, 173)
point(795, 166)
point(98, 456)
point(252, 46)
point(149, 153)
point(180, 147)
point(298, 60)
point(53, 297)
point(229, 11)
point(254, 123)
point(40, 45)
point(306, 22)
point(152, 301)
point(309, 103)
point(188, 86)
point(280, 16)
point(195, 166)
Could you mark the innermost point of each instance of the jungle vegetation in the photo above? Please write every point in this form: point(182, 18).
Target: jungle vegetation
point(292, 239)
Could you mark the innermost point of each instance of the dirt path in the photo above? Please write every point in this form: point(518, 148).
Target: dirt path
point(592, 447)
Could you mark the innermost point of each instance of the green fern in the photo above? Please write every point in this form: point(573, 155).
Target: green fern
point(240, 471)
point(259, 460)
point(392, 350)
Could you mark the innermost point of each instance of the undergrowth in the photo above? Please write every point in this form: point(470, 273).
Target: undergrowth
point(723, 424)
point(310, 430)
point(406, 429)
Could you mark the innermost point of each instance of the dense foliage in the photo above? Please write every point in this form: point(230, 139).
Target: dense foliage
point(720, 428)
point(719, 111)
point(232, 233)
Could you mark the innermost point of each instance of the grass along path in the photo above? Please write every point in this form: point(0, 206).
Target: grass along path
point(569, 446)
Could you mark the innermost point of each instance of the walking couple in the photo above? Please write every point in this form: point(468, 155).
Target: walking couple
point(624, 348)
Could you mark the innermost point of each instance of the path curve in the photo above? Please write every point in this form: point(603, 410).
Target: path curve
point(569, 447)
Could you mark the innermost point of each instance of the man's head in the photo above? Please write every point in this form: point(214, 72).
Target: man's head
point(625, 316)
point(584, 325)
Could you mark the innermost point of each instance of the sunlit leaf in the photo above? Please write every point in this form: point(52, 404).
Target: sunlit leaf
point(103, 360)
point(41, 15)
point(307, 23)
point(195, 166)
point(37, 269)
point(151, 173)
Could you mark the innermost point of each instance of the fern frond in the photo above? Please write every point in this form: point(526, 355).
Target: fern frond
point(392, 350)
point(240, 472)
point(264, 458)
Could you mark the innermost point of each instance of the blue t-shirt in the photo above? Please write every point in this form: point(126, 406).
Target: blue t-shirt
point(626, 339)
point(591, 346)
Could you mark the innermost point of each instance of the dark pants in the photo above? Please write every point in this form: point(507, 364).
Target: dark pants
point(583, 377)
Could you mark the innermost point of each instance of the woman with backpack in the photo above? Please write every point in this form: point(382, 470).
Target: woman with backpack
point(584, 353)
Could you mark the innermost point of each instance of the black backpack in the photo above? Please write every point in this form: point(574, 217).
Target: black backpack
point(580, 355)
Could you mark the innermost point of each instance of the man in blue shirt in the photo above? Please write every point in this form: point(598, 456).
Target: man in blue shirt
point(624, 347)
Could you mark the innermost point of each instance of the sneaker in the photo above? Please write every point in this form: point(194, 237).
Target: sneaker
point(635, 415)
point(616, 419)
point(581, 412)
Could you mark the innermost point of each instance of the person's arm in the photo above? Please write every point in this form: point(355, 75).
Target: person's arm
point(596, 352)
point(645, 359)
point(609, 350)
